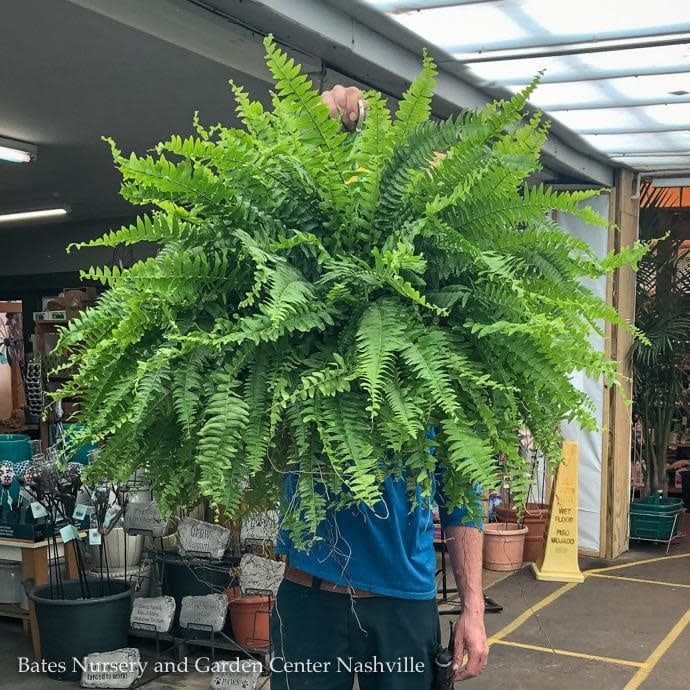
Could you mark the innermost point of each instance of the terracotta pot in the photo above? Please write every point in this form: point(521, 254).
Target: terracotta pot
point(231, 593)
point(250, 617)
point(535, 518)
point(504, 544)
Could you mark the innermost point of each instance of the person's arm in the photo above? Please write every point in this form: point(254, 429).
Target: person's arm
point(464, 545)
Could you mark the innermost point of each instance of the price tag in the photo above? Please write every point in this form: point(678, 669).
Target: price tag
point(69, 533)
point(80, 512)
point(38, 510)
point(95, 537)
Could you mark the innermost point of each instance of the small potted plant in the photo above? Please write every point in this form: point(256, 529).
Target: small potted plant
point(534, 515)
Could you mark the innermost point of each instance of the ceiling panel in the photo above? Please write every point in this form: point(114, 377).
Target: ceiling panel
point(618, 74)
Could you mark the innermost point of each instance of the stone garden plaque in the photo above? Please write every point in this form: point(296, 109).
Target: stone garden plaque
point(117, 669)
point(197, 537)
point(153, 613)
point(260, 573)
point(204, 612)
point(144, 518)
point(239, 680)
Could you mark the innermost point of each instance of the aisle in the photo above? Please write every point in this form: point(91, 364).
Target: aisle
point(626, 627)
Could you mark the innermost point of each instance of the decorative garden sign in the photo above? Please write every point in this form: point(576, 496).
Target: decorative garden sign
point(144, 518)
point(117, 669)
point(155, 613)
point(206, 612)
point(203, 538)
point(240, 680)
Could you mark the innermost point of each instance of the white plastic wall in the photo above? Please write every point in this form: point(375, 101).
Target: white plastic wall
point(590, 443)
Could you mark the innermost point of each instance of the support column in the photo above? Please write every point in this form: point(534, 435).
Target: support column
point(617, 414)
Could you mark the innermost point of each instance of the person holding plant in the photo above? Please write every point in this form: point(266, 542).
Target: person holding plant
point(319, 301)
point(363, 598)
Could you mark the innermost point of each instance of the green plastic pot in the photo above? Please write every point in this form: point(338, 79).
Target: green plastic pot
point(14, 447)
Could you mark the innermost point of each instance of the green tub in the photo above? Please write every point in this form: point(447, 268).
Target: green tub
point(14, 447)
point(655, 518)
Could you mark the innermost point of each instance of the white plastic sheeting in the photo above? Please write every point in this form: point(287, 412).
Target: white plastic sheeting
point(590, 443)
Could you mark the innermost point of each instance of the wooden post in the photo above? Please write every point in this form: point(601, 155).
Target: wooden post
point(35, 566)
point(617, 415)
point(71, 560)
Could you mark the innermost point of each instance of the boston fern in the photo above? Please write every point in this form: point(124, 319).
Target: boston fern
point(321, 299)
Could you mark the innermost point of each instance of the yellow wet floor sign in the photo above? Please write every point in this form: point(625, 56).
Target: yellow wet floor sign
point(559, 562)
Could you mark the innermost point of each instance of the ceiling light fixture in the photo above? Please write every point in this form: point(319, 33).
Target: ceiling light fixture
point(16, 151)
point(33, 215)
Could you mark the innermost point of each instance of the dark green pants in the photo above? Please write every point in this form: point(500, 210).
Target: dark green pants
point(321, 639)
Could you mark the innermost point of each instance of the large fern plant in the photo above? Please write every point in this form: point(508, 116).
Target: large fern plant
point(322, 298)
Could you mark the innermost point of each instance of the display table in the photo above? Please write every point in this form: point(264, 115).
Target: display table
point(34, 558)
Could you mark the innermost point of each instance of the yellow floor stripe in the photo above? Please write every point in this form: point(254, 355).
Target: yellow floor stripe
point(637, 579)
point(526, 615)
point(564, 652)
point(663, 647)
point(632, 564)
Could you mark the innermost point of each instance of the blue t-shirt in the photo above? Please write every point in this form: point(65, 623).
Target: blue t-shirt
point(388, 551)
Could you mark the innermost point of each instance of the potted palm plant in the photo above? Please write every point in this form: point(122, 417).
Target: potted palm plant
point(658, 361)
point(321, 299)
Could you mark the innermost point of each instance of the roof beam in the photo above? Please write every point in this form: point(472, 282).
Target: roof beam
point(637, 103)
point(578, 49)
point(585, 75)
point(394, 7)
point(631, 38)
point(195, 29)
point(633, 129)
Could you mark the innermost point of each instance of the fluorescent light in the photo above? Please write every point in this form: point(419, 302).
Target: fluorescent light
point(14, 155)
point(671, 182)
point(16, 151)
point(33, 215)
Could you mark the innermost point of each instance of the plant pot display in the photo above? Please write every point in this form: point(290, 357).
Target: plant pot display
point(535, 518)
point(250, 616)
point(326, 298)
point(72, 626)
point(504, 544)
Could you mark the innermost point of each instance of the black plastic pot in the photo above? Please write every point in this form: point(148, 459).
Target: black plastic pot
point(72, 627)
point(182, 578)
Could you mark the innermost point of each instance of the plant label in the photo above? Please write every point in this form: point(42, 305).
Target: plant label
point(69, 533)
point(38, 510)
point(153, 614)
point(144, 518)
point(80, 512)
point(207, 612)
point(260, 573)
point(117, 669)
point(95, 537)
point(199, 537)
point(110, 515)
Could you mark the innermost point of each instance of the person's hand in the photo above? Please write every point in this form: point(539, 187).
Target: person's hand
point(470, 640)
point(343, 102)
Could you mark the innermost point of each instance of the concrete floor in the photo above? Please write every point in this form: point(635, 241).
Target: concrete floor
point(622, 629)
